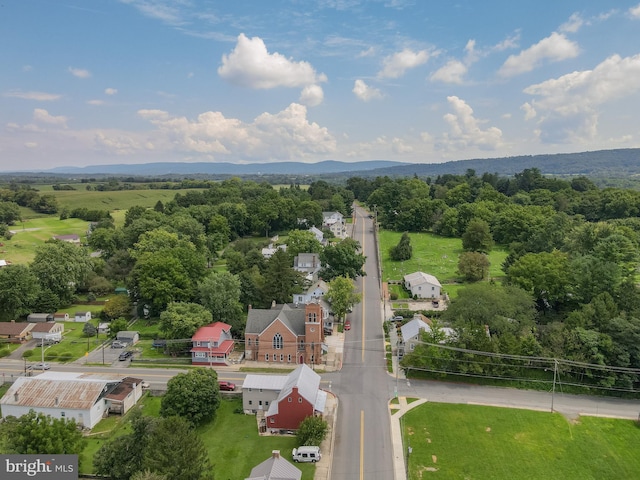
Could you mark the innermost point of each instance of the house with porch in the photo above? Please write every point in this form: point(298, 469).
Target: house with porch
point(336, 223)
point(212, 344)
point(285, 334)
point(259, 391)
point(47, 332)
point(16, 332)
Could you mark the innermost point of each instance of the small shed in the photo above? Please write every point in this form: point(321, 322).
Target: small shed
point(121, 291)
point(60, 317)
point(84, 316)
point(104, 327)
point(128, 336)
point(39, 317)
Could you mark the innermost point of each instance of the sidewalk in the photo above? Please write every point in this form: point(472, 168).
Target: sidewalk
point(396, 412)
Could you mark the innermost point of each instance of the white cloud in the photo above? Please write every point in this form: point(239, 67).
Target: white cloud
point(369, 52)
point(42, 116)
point(312, 95)
point(110, 91)
point(39, 96)
point(574, 23)
point(287, 135)
point(158, 10)
point(634, 12)
point(396, 65)
point(529, 111)
point(95, 103)
point(79, 72)
point(364, 92)
point(400, 147)
point(251, 65)
point(567, 106)
point(465, 129)
point(555, 47)
point(31, 144)
point(27, 68)
point(453, 72)
point(118, 144)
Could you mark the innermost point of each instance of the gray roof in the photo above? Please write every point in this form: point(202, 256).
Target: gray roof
point(292, 317)
point(275, 468)
point(308, 384)
point(412, 328)
point(418, 278)
point(264, 382)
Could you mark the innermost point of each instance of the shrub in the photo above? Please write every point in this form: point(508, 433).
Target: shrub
point(65, 357)
point(393, 296)
point(27, 354)
point(50, 356)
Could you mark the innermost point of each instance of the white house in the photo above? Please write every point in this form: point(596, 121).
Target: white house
point(317, 233)
point(422, 285)
point(83, 397)
point(258, 391)
point(308, 264)
point(47, 331)
point(84, 316)
point(335, 222)
point(268, 252)
point(316, 291)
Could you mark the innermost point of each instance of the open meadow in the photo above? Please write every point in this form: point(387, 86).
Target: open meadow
point(432, 254)
point(475, 442)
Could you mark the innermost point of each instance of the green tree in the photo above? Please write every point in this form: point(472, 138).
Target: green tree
point(61, 267)
point(302, 241)
point(37, 433)
point(477, 237)
point(176, 450)
point(473, 266)
point(312, 431)
point(194, 396)
point(544, 275)
point(9, 212)
point(181, 320)
point(220, 293)
point(19, 290)
point(281, 281)
point(342, 296)
point(342, 260)
point(122, 457)
point(118, 325)
point(117, 306)
point(403, 250)
point(89, 330)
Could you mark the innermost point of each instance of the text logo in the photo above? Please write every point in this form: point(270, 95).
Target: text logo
point(49, 467)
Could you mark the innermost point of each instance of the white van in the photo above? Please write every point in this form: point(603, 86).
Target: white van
point(306, 454)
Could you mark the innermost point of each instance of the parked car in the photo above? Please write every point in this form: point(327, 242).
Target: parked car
point(328, 331)
point(306, 454)
point(435, 304)
point(397, 318)
point(125, 355)
point(159, 343)
point(42, 366)
point(118, 344)
point(145, 385)
point(347, 325)
point(227, 386)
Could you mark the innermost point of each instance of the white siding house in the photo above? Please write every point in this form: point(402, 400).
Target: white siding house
point(422, 285)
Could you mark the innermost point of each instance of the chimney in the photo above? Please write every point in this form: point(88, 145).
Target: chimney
point(275, 454)
point(15, 397)
point(273, 304)
point(57, 402)
point(249, 307)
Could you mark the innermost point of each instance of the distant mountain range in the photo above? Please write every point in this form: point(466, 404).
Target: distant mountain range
point(603, 163)
point(276, 168)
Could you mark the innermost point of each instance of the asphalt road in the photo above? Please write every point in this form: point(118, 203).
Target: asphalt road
point(362, 446)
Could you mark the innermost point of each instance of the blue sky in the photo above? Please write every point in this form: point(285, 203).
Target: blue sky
point(90, 82)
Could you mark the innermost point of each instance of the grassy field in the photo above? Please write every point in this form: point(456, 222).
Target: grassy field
point(232, 441)
point(432, 254)
point(74, 344)
point(34, 232)
point(475, 442)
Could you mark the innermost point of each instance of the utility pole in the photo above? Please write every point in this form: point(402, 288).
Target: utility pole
point(555, 373)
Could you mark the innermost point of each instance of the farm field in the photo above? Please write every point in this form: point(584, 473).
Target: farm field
point(231, 440)
point(477, 442)
point(34, 232)
point(435, 255)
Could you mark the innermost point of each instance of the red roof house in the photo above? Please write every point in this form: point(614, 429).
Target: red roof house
point(212, 344)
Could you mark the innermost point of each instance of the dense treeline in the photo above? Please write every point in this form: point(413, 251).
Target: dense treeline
point(569, 288)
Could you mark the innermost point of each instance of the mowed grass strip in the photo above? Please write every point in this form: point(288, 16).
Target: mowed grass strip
point(435, 255)
point(115, 200)
point(476, 442)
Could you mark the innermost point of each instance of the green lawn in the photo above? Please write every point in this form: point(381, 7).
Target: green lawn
point(232, 441)
point(432, 254)
point(22, 246)
point(74, 344)
point(477, 442)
